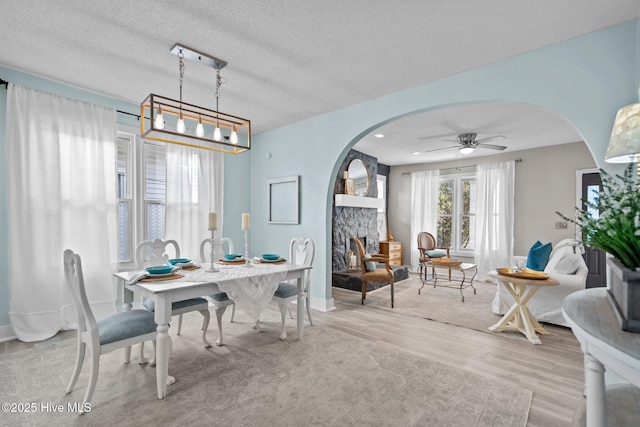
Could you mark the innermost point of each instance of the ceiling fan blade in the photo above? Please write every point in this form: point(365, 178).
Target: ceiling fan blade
point(443, 148)
point(492, 147)
point(490, 137)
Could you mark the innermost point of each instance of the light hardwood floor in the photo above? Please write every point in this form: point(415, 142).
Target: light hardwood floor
point(553, 371)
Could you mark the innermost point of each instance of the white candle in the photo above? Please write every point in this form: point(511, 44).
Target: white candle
point(213, 221)
point(245, 221)
point(346, 174)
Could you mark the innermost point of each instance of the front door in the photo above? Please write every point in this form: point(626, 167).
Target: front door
point(594, 258)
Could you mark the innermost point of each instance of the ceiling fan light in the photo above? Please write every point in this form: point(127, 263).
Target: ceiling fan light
point(467, 150)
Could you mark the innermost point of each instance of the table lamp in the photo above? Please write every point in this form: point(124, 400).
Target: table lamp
point(624, 144)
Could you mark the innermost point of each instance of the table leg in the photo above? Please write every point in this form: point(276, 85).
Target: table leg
point(519, 317)
point(595, 390)
point(163, 346)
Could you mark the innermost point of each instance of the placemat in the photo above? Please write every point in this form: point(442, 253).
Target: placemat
point(264, 261)
point(163, 278)
point(192, 267)
point(232, 262)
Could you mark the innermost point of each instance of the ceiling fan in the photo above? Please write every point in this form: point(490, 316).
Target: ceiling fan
point(467, 143)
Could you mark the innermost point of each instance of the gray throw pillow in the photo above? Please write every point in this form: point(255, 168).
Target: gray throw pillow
point(369, 265)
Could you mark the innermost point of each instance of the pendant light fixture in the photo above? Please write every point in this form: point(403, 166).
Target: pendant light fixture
point(178, 122)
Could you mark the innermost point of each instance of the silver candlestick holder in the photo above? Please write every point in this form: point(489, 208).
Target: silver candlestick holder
point(213, 268)
point(246, 248)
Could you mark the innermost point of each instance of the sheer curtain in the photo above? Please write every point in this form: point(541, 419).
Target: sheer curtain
point(425, 186)
point(61, 195)
point(494, 217)
point(194, 188)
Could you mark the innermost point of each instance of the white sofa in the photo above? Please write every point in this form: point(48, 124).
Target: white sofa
point(567, 266)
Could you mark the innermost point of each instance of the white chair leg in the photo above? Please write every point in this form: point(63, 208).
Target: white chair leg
point(127, 355)
point(152, 362)
point(290, 315)
point(219, 312)
point(283, 314)
point(93, 377)
point(141, 359)
point(233, 311)
point(179, 324)
point(308, 304)
point(79, 361)
point(205, 321)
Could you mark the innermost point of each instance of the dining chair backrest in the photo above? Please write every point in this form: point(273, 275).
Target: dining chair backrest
point(150, 253)
point(302, 251)
point(205, 253)
point(75, 279)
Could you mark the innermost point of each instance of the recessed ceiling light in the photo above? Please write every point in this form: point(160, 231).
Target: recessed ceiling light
point(416, 152)
point(378, 135)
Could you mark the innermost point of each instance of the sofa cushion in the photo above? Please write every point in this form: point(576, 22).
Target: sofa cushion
point(538, 256)
point(566, 257)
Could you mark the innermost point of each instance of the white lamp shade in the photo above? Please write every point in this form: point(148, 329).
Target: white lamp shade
point(624, 144)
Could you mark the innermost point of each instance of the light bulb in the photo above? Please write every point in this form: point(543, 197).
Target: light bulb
point(159, 122)
point(217, 135)
point(234, 136)
point(467, 150)
point(180, 128)
point(200, 128)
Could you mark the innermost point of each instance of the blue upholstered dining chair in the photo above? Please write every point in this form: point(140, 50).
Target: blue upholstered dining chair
point(220, 300)
point(151, 253)
point(301, 252)
point(120, 330)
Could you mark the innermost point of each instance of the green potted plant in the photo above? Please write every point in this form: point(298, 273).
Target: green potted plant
point(615, 228)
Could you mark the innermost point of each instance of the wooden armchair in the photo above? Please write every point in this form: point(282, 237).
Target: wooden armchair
point(370, 272)
point(427, 248)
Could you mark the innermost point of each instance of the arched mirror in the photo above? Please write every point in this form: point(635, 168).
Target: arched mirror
point(360, 175)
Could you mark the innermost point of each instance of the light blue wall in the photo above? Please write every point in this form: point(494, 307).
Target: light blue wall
point(586, 80)
point(237, 171)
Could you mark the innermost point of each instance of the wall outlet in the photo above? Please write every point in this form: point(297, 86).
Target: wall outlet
point(561, 225)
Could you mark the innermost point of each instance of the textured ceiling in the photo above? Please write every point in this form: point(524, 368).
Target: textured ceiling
point(288, 60)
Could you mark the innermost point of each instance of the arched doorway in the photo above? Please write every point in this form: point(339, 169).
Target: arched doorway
point(428, 139)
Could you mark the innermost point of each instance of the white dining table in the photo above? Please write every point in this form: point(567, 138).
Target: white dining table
point(250, 287)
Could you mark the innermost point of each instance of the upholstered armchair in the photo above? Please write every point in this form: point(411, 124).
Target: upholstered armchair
point(371, 272)
point(567, 266)
point(428, 250)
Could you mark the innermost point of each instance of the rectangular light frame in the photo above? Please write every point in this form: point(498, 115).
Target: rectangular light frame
point(171, 110)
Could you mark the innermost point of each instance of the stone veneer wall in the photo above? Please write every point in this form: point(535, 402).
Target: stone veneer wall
point(350, 221)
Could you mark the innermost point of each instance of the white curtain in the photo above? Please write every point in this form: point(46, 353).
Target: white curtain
point(425, 186)
point(494, 216)
point(62, 175)
point(194, 188)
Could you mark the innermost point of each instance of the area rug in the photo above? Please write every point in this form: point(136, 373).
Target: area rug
point(444, 304)
point(327, 379)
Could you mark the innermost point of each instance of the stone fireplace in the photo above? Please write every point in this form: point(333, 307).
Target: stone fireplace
point(349, 221)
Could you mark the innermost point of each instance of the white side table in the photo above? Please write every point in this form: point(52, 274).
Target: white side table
point(605, 346)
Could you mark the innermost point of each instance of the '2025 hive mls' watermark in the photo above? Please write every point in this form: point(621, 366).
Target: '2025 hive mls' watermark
point(26, 407)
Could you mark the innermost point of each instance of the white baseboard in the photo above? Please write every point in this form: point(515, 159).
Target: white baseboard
point(322, 304)
point(6, 333)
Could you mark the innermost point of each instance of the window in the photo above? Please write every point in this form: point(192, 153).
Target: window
point(139, 218)
point(457, 213)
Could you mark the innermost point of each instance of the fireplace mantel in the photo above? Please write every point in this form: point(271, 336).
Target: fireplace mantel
point(359, 201)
